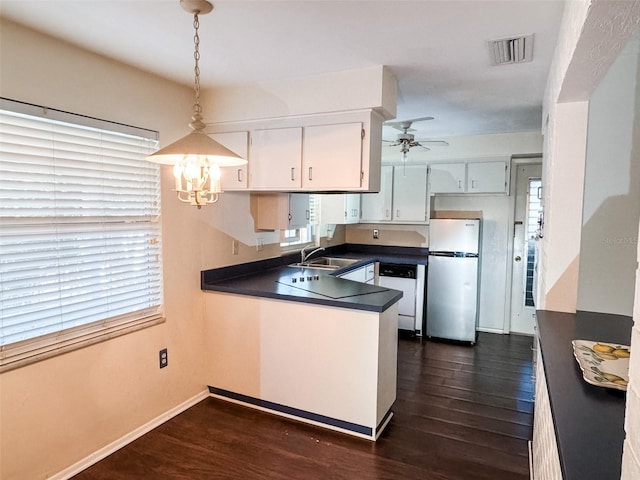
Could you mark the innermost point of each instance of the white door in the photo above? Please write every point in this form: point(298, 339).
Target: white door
point(377, 206)
point(527, 198)
point(487, 177)
point(234, 178)
point(410, 193)
point(332, 157)
point(447, 177)
point(276, 159)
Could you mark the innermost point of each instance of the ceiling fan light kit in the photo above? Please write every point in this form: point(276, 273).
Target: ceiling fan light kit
point(196, 157)
point(407, 141)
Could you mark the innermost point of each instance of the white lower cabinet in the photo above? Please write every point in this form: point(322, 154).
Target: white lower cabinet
point(546, 460)
point(282, 211)
point(403, 197)
point(364, 274)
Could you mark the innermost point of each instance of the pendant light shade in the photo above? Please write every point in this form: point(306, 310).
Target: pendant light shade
point(196, 143)
point(197, 158)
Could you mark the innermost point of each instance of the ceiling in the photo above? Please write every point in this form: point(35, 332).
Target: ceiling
point(436, 49)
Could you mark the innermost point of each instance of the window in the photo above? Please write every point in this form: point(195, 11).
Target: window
point(79, 231)
point(534, 209)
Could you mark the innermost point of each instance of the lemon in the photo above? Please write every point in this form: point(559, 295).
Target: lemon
point(621, 353)
point(601, 348)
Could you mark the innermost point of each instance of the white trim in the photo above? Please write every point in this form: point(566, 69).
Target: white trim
point(126, 439)
point(491, 330)
point(374, 436)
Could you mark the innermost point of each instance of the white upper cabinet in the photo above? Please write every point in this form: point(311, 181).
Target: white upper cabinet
point(282, 211)
point(338, 152)
point(487, 177)
point(403, 197)
point(377, 207)
point(234, 178)
point(276, 159)
point(341, 208)
point(447, 177)
point(332, 157)
point(410, 199)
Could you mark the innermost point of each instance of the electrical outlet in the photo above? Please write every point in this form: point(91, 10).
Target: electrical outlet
point(235, 247)
point(259, 244)
point(376, 233)
point(163, 357)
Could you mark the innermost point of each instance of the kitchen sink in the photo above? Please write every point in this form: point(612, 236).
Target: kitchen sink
point(326, 263)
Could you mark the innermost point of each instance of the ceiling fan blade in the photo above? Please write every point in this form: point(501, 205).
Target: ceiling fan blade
point(434, 143)
point(421, 119)
point(405, 125)
point(422, 146)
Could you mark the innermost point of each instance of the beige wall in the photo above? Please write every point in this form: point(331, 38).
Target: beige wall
point(56, 412)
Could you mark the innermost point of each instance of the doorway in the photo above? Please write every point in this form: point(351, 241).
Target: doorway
point(528, 209)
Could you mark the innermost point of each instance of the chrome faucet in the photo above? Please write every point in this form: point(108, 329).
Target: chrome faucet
point(304, 258)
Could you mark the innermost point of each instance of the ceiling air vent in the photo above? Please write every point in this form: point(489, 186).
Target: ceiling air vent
point(512, 50)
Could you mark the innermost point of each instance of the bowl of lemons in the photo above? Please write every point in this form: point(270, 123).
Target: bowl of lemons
point(603, 364)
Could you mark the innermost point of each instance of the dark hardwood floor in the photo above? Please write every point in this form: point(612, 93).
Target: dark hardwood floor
point(462, 413)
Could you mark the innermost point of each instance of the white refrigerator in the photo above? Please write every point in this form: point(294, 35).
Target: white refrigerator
point(453, 279)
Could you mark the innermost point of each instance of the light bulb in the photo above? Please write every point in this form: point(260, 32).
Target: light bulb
point(192, 169)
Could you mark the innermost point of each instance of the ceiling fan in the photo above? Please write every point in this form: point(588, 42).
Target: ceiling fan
point(406, 140)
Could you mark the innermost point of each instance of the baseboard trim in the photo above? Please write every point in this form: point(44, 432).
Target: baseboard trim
point(114, 446)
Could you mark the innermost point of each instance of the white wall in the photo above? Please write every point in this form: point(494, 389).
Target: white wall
point(371, 87)
point(611, 207)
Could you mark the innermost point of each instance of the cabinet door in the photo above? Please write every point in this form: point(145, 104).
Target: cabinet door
point(234, 178)
point(447, 177)
point(357, 275)
point(299, 213)
point(487, 177)
point(339, 209)
point(332, 157)
point(376, 207)
point(276, 157)
point(410, 194)
point(282, 211)
point(353, 207)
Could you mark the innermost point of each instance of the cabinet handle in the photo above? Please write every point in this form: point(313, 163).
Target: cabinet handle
point(239, 174)
point(310, 173)
point(386, 213)
point(459, 184)
point(473, 184)
point(308, 214)
point(398, 213)
point(293, 175)
point(345, 214)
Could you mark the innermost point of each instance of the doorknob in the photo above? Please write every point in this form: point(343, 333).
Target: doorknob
point(518, 258)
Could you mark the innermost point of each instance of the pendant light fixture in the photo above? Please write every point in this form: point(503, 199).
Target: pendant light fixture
point(197, 158)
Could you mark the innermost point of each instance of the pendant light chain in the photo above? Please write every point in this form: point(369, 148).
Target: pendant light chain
point(197, 124)
point(196, 56)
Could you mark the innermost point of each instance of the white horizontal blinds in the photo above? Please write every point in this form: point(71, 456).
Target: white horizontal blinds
point(79, 227)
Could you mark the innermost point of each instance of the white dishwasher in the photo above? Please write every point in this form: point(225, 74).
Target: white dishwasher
point(409, 279)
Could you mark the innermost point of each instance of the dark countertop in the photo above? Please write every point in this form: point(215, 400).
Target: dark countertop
point(273, 278)
point(589, 420)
